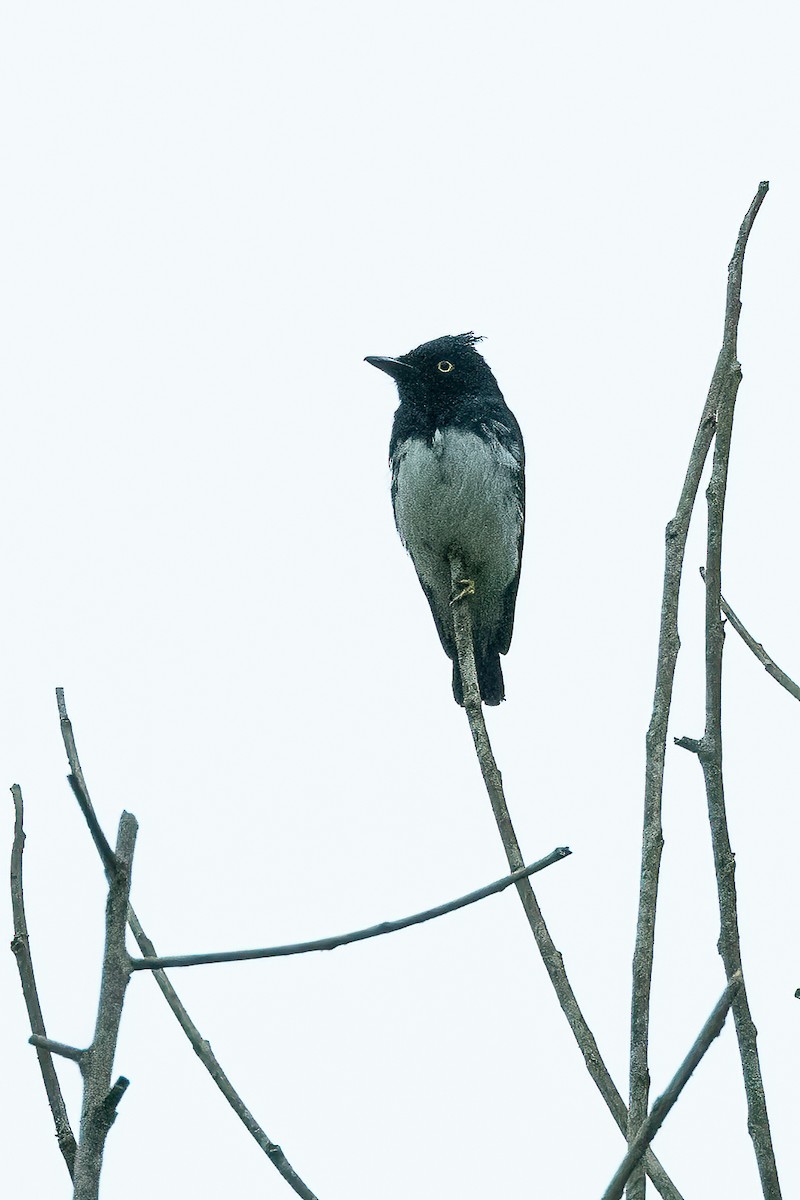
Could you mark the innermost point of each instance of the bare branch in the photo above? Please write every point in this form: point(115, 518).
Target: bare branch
point(21, 947)
point(201, 1047)
point(554, 964)
point(668, 647)
point(96, 1114)
point(769, 664)
point(662, 1106)
point(709, 753)
point(80, 791)
point(60, 1048)
point(359, 935)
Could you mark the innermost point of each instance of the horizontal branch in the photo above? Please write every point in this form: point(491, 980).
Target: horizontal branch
point(59, 1048)
point(669, 643)
point(769, 664)
point(693, 745)
point(662, 1106)
point(358, 935)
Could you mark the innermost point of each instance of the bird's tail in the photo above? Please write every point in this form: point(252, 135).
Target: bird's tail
point(490, 678)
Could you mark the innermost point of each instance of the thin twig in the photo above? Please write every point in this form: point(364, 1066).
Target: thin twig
point(709, 753)
point(21, 947)
point(79, 789)
point(96, 1065)
point(358, 935)
point(554, 964)
point(662, 1106)
point(98, 837)
point(201, 1047)
point(668, 647)
point(769, 664)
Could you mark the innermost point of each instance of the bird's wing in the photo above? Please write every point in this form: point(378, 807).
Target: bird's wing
point(439, 604)
point(508, 433)
point(444, 622)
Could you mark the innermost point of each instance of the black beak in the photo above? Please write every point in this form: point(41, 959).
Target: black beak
point(392, 366)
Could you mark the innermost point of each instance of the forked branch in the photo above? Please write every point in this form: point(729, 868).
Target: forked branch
point(668, 647)
point(201, 1047)
point(709, 753)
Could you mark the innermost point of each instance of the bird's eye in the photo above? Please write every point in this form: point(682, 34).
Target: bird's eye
point(444, 366)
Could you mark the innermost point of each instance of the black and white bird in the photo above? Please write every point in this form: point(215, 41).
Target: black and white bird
point(458, 484)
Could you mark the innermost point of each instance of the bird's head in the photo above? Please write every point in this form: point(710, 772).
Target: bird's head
point(440, 372)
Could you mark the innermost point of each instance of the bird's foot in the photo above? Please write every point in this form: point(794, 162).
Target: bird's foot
point(466, 588)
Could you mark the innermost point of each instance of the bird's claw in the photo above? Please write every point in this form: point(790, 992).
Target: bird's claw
point(467, 588)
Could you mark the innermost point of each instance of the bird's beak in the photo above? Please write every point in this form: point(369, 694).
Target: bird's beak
point(392, 366)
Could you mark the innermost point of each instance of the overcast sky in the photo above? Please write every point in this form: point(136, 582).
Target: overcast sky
point(211, 213)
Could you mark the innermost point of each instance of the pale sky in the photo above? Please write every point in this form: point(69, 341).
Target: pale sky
point(211, 214)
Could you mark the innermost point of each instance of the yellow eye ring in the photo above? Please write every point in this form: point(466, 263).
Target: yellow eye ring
point(444, 366)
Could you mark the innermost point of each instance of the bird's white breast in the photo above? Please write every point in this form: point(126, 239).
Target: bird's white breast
point(459, 492)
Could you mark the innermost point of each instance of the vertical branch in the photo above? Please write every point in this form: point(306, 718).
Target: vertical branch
point(710, 755)
point(668, 647)
point(99, 1098)
point(554, 964)
point(21, 947)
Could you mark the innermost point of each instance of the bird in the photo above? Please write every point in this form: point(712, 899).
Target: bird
point(457, 463)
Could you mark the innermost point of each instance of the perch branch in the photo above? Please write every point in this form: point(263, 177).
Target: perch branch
point(769, 664)
point(662, 1106)
point(359, 935)
point(554, 964)
point(21, 947)
point(201, 1047)
point(656, 739)
point(96, 1114)
point(709, 753)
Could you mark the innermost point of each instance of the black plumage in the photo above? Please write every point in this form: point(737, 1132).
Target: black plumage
point(458, 483)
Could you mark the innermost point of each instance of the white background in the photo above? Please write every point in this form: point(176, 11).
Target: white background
point(211, 213)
